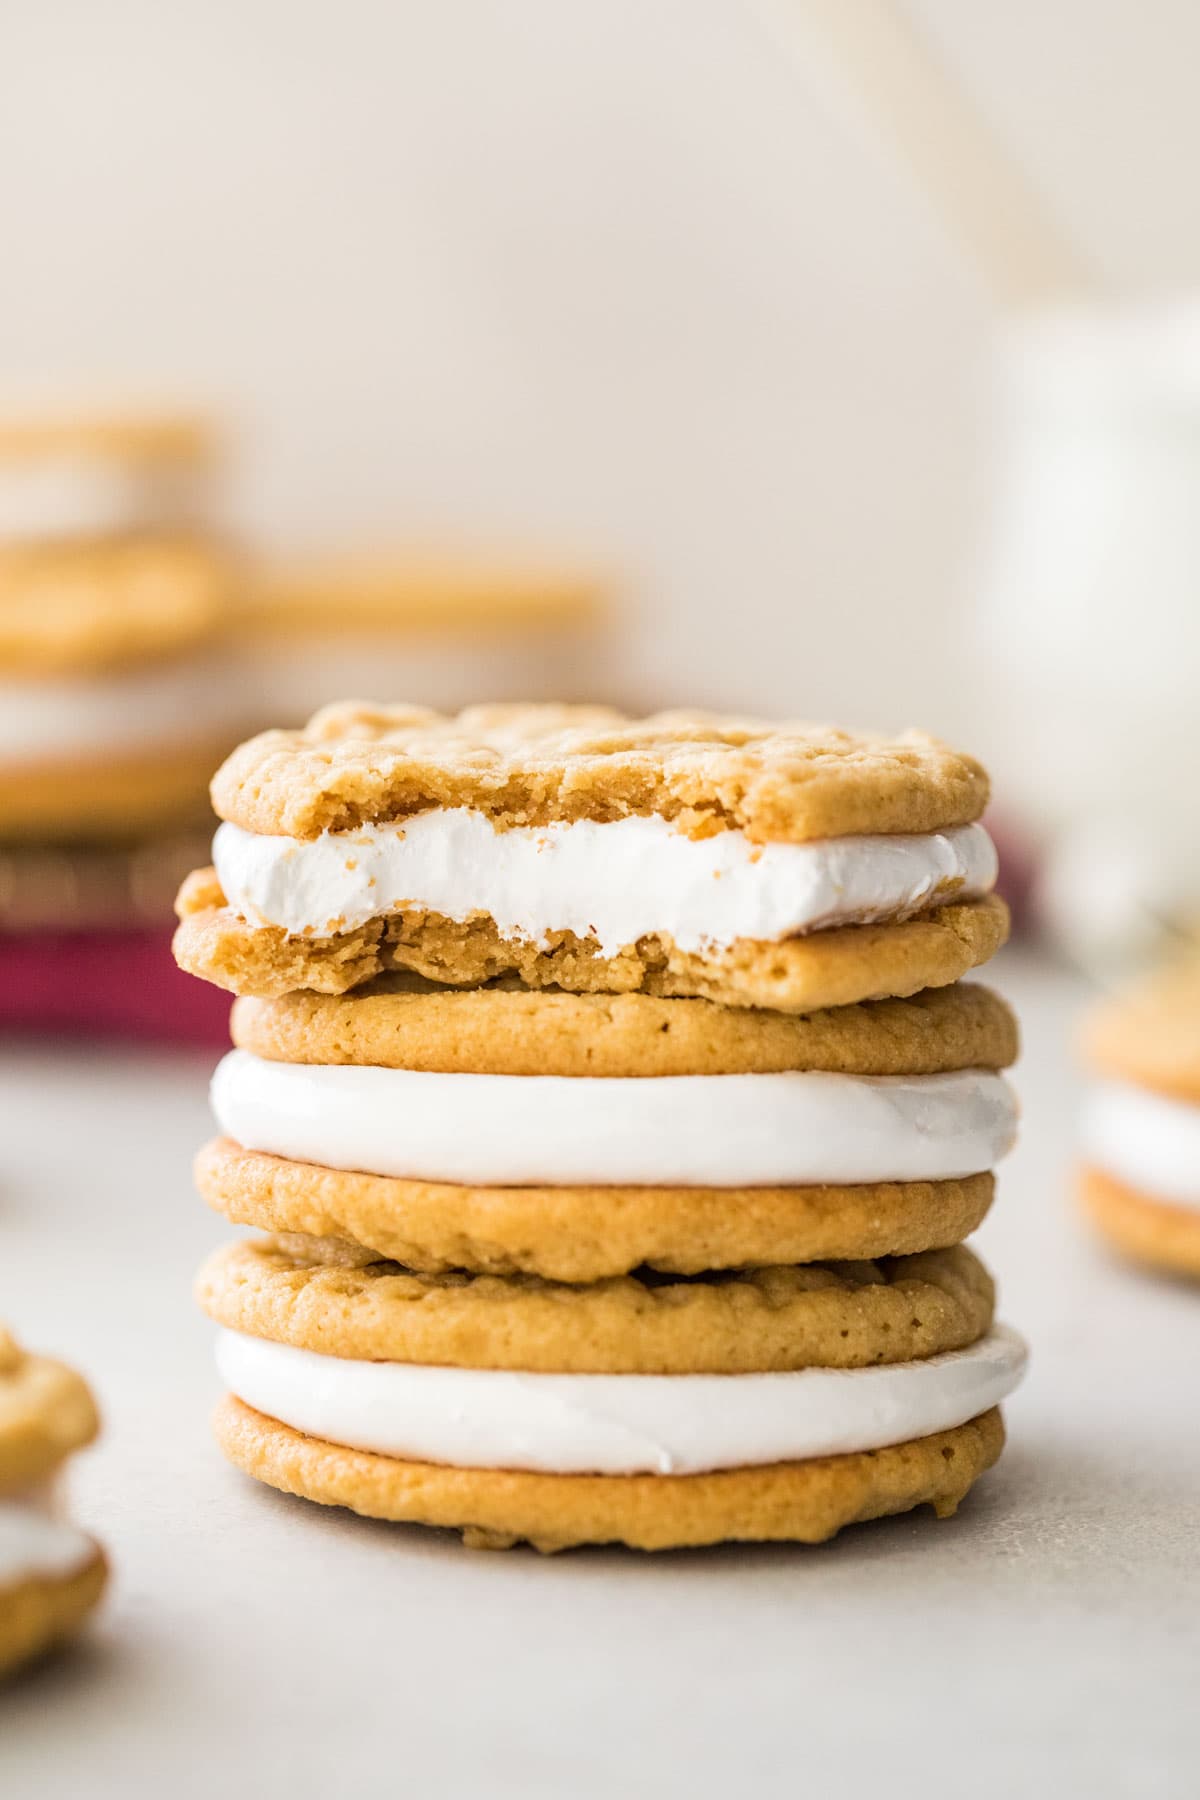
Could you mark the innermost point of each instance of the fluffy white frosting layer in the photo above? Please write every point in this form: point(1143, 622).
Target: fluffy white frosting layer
point(91, 497)
point(616, 882)
point(1146, 1140)
point(161, 704)
point(32, 1543)
point(682, 1130)
point(615, 1424)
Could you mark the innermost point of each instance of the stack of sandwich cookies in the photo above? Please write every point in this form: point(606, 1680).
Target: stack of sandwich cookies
point(51, 1574)
point(1140, 1181)
point(112, 604)
point(582, 1266)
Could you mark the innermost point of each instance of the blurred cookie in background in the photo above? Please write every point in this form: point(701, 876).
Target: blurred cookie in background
point(118, 693)
point(1140, 1181)
point(52, 1575)
point(116, 690)
point(435, 626)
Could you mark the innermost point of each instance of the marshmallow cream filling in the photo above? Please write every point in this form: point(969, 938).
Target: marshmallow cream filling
point(161, 704)
point(35, 1545)
point(1145, 1140)
point(615, 882)
point(783, 1130)
point(615, 1424)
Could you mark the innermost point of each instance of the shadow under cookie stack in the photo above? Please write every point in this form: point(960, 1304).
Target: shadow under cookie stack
point(609, 1096)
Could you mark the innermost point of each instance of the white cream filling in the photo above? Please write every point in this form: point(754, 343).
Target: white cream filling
point(1146, 1140)
point(615, 882)
point(615, 1424)
point(80, 496)
point(34, 1544)
point(780, 1130)
point(124, 710)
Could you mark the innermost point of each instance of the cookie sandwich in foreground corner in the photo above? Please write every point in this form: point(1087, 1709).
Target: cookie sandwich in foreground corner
point(614, 1266)
point(1140, 1180)
point(51, 1574)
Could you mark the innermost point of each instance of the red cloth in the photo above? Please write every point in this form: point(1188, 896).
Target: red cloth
point(106, 984)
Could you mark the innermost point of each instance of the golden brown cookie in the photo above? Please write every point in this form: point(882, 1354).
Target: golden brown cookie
point(529, 765)
point(582, 1234)
point(802, 1502)
point(828, 1315)
point(75, 607)
point(405, 1022)
point(1149, 1231)
point(1150, 1034)
point(46, 1412)
point(39, 1614)
point(837, 967)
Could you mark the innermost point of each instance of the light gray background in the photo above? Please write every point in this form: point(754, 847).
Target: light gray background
point(625, 276)
point(1045, 1641)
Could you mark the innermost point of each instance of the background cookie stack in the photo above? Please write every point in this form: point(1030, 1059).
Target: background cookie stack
point(617, 1191)
point(1140, 1182)
point(51, 1575)
point(434, 624)
point(114, 704)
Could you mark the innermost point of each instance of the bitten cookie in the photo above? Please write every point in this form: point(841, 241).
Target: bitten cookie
point(794, 867)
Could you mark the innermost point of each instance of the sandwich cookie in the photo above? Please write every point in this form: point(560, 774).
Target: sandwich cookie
point(576, 1137)
point(51, 1574)
point(1140, 1180)
point(792, 867)
point(780, 1404)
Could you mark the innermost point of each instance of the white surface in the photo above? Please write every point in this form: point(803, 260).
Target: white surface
point(615, 1424)
point(1044, 1641)
point(616, 880)
point(792, 1127)
point(1147, 1140)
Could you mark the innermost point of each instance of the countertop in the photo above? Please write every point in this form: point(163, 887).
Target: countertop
point(1044, 1640)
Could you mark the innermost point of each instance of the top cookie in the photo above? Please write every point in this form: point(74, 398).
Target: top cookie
point(355, 765)
point(46, 1411)
point(1150, 1034)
